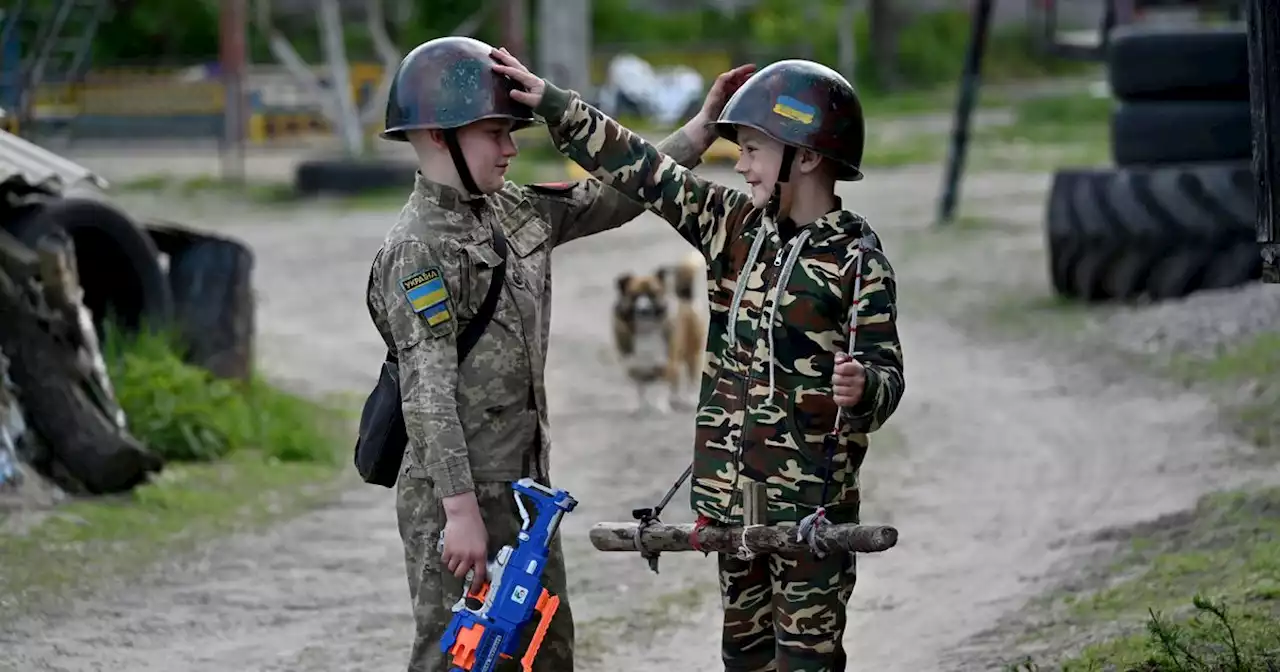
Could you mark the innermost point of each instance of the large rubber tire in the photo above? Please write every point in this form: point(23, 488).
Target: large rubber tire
point(1146, 63)
point(211, 280)
point(1157, 133)
point(346, 177)
point(1151, 233)
point(117, 263)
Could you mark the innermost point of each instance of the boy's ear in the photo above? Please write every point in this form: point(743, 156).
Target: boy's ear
point(808, 160)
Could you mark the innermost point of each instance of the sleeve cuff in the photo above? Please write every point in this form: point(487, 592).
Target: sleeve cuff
point(555, 101)
point(451, 476)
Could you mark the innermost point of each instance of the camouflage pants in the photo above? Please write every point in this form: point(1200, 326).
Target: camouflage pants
point(784, 614)
point(433, 590)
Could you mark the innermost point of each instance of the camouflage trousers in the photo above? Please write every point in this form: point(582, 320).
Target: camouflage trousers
point(433, 590)
point(785, 614)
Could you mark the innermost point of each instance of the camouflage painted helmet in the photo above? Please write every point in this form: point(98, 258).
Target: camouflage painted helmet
point(447, 83)
point(802, 104)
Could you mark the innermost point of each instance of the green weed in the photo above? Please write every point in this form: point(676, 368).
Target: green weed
point(184, 413)
point(1225, 556)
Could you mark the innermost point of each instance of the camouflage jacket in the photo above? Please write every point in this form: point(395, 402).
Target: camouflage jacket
point(779, 313)
point(485, 420)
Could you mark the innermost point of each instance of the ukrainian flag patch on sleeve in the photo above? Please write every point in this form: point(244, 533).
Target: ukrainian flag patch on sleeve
point(428, 295)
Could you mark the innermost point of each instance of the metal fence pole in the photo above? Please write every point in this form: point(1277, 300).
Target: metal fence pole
point(969, 83)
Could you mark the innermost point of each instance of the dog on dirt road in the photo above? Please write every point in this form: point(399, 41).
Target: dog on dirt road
point(660, 333)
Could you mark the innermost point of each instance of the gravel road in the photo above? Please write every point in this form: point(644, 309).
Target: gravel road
point(1001, 461)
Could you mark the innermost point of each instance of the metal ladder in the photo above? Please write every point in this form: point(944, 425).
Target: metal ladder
point(62, 46)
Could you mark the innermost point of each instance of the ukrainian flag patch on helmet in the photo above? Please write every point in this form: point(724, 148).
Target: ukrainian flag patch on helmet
point(793, 109)
point(428, 295)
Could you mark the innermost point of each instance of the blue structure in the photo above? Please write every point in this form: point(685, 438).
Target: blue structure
point(10, 62)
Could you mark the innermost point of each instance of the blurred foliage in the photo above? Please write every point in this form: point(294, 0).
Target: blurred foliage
point(930, 46)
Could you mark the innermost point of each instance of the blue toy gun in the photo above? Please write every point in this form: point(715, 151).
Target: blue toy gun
point(479, 638)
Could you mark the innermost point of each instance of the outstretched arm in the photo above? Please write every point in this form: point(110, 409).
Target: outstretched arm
point(703, 212)
point(586, 207)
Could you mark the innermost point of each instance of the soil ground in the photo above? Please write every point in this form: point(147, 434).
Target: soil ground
point(1003, 460)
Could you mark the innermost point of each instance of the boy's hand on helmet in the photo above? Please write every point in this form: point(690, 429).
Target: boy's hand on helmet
point(511, 67)
point(723, 89)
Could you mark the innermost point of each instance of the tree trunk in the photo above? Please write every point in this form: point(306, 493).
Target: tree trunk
point(772, 539)
point(885, 22)
point(51, 366)
point(847, 41)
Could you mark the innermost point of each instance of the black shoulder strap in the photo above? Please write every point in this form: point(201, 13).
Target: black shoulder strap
point(469, 336)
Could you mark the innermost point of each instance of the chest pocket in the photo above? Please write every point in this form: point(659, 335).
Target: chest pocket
point(528, 238)
point(478, 263)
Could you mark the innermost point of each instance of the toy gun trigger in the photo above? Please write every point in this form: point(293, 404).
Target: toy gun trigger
point(479, 594)
point(546, 608)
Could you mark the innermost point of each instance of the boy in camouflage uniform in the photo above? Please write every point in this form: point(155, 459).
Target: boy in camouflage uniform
point(796, 284)
point(476, 425)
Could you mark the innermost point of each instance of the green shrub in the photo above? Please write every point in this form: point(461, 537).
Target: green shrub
point(1214, 640)
point(184, 413)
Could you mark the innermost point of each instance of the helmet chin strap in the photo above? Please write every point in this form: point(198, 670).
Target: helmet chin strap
point(784, 175)
point(459, 161)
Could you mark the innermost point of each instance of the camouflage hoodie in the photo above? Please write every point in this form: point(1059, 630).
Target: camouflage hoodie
point(780, 311)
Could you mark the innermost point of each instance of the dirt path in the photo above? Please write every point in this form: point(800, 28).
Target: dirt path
point(998, 461)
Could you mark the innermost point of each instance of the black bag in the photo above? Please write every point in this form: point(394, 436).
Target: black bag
point(382, 441)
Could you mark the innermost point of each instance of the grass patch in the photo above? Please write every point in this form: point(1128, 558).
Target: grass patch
point(1047, 132)
point(1040, 314)
point(906, 150)
point(184, 413)
point(189, 187)
point(1202, 592)
point(240, 457)
point(1247, 377)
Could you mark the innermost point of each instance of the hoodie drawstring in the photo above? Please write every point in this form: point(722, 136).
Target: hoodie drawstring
point(743, 279)
point(796, 244)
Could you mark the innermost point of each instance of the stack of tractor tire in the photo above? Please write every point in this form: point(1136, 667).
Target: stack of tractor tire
point(1175, 215)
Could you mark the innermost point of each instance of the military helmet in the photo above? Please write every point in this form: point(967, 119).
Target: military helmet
point(447, 83)
point(801, 104)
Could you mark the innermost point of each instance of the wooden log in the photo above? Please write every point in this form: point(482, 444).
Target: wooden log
point(85, 451)
point(1264, 101)
point(771, 539)
point(63, 292)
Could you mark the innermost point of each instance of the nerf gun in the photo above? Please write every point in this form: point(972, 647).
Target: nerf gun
point(480, 636)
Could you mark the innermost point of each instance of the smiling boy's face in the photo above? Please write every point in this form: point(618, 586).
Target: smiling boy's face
point(758, 164)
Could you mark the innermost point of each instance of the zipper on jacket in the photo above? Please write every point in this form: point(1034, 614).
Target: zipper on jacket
point(770, 277)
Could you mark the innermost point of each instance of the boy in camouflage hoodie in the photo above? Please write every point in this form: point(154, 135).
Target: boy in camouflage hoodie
point(803, 353)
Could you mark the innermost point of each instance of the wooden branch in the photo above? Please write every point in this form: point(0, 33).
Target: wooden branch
point(771, 539)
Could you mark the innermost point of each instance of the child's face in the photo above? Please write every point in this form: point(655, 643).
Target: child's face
point(761, 157)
